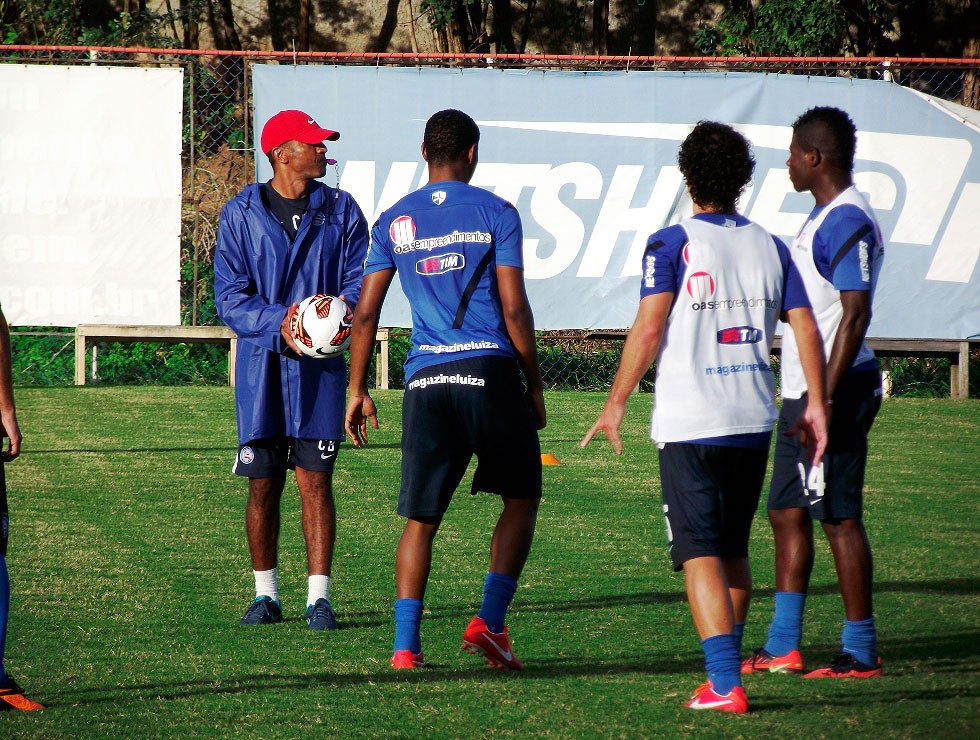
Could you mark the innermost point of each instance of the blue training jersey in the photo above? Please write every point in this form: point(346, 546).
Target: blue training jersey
point(446, 240)
point(834, 248)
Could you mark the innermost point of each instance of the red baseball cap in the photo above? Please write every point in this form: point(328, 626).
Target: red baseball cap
point(293, 125)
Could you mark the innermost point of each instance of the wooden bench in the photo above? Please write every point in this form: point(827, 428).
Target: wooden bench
point(90, 334)
point(957, 351)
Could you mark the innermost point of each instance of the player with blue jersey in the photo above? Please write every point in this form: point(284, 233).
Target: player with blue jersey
point(11, 695)
point(712, 291)
point(458, 252)
point(839, 253)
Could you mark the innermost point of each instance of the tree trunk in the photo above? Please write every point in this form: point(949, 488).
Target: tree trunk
point(600, 26)
point(190, 16)
point(222, 22)
point(305, 12)
point(388, 26)
point(411, 27)
point(503, 27)
point(526, 26)
point(469, 27)
point(970, 96)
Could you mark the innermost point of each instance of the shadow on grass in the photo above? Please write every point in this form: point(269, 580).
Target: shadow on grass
point(375, 618)
point(140, 450)
point(912, 656)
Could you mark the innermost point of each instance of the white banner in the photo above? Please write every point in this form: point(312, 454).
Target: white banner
point(90, 196)
point(590, 161)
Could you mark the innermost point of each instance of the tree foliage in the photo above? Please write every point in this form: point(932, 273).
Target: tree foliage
point(751, 27)
point(817, 27)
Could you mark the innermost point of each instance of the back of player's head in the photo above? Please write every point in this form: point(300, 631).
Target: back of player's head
point(831, 132)
point(717, 163)
point(449, 134)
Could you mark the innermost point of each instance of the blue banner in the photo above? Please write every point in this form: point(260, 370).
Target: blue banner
point(590, 161)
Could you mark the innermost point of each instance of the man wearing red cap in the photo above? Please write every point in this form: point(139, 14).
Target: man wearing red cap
point(279, 242)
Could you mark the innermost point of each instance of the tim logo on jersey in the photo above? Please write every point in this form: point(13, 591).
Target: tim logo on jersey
point(440, 264)
point(740, 335)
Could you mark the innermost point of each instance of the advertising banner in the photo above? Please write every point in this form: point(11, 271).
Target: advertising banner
point(590, 161)
point(90, 195)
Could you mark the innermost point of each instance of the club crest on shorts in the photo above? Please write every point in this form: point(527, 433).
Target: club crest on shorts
point(246, 455)
point(439, 197)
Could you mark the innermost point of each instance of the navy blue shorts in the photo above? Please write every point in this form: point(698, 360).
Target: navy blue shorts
point(269, 458)
point(834, 490)
point(710, 494)
point(452, 411)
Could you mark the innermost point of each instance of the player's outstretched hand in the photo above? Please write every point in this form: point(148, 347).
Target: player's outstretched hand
point(288, 328)
point(359, 410)
point(812, 426)
point(609, 422)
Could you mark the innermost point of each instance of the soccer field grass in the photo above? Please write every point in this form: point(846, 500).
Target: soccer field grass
point(130, 572)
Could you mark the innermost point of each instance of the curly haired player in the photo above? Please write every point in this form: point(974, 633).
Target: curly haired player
point(713, 287)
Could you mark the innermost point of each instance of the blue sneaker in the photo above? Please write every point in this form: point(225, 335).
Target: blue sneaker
point(264, 610)
point(320, 616)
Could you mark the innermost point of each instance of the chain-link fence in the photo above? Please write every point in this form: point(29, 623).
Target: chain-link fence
point(218, 163)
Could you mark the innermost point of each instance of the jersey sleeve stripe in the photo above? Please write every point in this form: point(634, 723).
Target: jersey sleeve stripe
point(848, 245)
point(464, 300)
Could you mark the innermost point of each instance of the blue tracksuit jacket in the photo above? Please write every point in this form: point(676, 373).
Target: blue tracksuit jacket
point(258, 274)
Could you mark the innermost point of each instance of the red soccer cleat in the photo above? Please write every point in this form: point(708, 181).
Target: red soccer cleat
point(762, 661)
point(494, 646)
point(705, 697)
point(406, 659)
point(12, 697)
point(846, 665)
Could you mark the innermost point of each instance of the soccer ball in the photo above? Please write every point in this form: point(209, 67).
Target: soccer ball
point(322, 326)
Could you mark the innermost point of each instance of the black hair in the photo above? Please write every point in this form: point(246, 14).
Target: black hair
point(717, 164)
point(449, 134)
point(831, 132)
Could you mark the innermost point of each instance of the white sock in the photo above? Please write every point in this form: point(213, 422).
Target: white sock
point(267, 583)
point(318, 588)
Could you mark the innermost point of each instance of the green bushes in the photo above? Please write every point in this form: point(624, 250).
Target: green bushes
point(568, 362)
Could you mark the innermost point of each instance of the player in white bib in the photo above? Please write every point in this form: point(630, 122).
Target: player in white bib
point(839, 253)
point(713, 288)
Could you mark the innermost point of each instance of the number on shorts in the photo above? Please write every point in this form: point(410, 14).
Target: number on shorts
point(813, 483)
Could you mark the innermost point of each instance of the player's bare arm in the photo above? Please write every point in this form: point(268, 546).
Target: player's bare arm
point(813, 422)
point(639, 351)
point(8, 415)
point(367, 314)
point(520, 328)
point(850, 334)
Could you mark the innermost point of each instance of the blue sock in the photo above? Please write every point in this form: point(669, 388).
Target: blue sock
point(860, 639)
point(408, 619)
point(739, 632)
point(4, 611)
point(786, 628)
point(723, 663)
point(498, 592)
